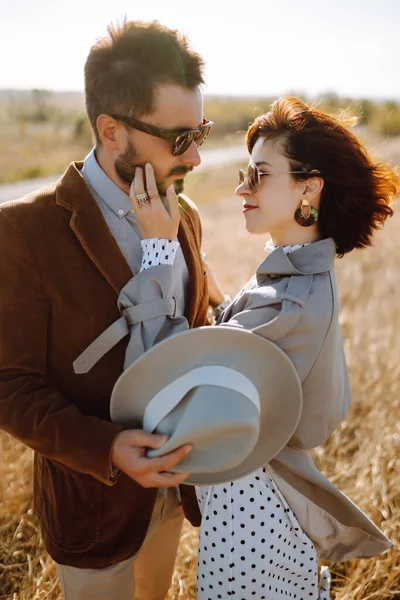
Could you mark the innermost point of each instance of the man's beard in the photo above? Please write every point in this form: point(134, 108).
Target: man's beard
point(125, 167)
point(179, 186)
point(125, 164)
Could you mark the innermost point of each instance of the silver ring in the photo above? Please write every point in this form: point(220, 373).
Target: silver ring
point(143, 199)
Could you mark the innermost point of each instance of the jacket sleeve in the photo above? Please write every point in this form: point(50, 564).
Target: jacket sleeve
point(31, 410)
point(300, 321)
point(148, 302)
point(285, 317)
point(149, 299)
point(148, 308)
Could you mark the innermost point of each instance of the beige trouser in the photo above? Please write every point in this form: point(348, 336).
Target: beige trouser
point(146, 575)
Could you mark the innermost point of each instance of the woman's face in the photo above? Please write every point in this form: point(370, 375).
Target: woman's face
point(271, 208)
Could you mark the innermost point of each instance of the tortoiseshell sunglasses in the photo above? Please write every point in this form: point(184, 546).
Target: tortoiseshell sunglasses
point(180, 140)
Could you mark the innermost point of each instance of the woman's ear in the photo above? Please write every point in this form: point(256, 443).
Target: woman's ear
point(313, 188)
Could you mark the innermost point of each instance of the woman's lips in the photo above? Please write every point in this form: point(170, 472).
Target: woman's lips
point(247, 207)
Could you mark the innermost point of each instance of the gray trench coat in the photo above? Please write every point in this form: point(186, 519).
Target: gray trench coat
point(293, 300)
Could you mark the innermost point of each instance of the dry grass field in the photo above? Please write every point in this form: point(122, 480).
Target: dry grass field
point(362, 457)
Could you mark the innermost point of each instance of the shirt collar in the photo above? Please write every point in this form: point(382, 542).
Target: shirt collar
point(101, 183)
point(269, 247)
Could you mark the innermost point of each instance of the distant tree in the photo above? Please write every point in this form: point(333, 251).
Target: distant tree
point(42, 110)
point(82, 129)
point(331, 101)
point(367, 110)
point(392, 122)
point(391, 105)
point(386, 119)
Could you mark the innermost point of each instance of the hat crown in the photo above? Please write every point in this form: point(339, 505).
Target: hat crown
point(235, 424)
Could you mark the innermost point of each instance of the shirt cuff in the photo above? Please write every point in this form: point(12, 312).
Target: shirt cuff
point(157, 251)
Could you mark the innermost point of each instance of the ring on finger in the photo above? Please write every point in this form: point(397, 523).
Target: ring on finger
point(143, 199)
point(143, 196)
point(143, 202)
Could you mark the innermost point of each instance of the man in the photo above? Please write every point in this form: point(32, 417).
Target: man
point(68, 254)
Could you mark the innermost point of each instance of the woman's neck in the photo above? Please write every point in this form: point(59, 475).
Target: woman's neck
point(300, 235)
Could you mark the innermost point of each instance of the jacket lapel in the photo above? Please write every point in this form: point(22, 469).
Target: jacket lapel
point(187, 240)
point(91, 229)
point(96, 239)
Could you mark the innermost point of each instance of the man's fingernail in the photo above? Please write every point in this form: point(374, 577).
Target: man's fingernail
point(188, 449)
point(163, 440)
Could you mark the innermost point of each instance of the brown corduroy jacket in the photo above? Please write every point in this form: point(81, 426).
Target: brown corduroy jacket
point(61, 271)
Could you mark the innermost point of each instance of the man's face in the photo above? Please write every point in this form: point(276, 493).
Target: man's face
point(175, 108)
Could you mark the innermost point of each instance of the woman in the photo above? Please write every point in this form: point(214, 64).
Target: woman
point(312, 186)
point(313, 189)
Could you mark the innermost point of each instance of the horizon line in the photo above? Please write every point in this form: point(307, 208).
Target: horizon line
point(229, 95)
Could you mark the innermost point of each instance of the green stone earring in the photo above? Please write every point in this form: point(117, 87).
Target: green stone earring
point(306, 214)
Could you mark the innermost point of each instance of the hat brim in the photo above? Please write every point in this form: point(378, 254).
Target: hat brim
point(259, 359)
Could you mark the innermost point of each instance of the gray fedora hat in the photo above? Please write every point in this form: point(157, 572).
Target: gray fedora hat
point(231, 393)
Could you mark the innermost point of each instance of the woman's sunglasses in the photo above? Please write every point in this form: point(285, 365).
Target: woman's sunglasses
point(253, 176)
point(180, 141)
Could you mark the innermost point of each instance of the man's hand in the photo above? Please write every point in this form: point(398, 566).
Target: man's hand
point(128, 454)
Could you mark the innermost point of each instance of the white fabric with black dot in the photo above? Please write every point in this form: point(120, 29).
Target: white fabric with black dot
point(251, 545)
point(269, 247)
point(157, 251)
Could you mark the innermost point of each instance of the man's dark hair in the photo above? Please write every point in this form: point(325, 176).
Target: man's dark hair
point(123, 68)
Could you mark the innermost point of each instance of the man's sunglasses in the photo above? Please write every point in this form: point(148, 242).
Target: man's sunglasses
point(253, 176)
point(180, 141)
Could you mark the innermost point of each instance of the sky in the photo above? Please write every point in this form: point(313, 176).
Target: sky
point(251, 47)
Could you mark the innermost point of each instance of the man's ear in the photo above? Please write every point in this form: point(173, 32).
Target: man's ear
point(109, 131)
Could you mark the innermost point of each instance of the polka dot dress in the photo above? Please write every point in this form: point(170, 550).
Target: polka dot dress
point(251, 545)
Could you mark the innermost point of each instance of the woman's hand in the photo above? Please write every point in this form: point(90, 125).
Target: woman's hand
point(154, 220)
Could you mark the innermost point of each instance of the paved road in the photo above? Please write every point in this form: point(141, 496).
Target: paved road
point(209, 159)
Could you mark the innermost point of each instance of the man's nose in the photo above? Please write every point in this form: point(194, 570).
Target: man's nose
point(191, 156)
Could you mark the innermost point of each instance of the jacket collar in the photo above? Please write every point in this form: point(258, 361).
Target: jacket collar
point(89, 226)
point(315, 258)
